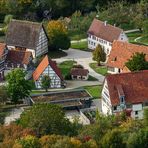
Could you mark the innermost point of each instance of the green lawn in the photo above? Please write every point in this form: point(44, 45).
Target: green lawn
point(95, 91)
point(66, 67)
point(143, 40)
point(38, 91)
point(82, 45)
point(91, 78)
point(76, 35)
point(99, 69)
point(57, 54)
point(132, 36)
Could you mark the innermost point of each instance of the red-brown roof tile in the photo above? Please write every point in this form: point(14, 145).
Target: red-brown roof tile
point(121, 52)
point(43, 65)
point(79, 72)
point(2, 48)
point(19, 57)
point(106, 32)
point(134, 85)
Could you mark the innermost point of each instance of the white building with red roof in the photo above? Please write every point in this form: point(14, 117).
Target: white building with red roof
point(125, 92)
point(121, 52)
point(104, 34)
point(48, 67)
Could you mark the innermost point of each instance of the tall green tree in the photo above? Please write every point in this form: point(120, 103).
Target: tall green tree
point(99, 54)
point(46, 119)
point(137, 62)
point(18, 87)
point(45, 82)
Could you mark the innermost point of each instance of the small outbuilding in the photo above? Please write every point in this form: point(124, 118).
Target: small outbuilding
point(79, 74)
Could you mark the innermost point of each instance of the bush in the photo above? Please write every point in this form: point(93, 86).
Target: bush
point(8, 18)
point(46, 119)
point(68, 77)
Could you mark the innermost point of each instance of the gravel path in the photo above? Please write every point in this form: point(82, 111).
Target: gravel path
point(81, 57)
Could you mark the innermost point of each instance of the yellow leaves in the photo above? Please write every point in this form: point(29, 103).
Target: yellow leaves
point(56, 26)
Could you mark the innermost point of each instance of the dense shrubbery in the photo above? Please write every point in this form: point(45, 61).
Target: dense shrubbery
point(107, 131)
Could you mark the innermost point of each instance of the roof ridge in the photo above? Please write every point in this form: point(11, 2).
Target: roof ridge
point(133, 72)
point(27, 21)
point(109, 24)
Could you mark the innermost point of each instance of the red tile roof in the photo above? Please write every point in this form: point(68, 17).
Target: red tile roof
point(122, 51)
point(19, 57)
point(106, 32)
point(134, 85)
point(79, 72)
point(2, 49)
point(43, 65)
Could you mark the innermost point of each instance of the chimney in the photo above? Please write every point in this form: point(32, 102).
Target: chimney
point(105, 23)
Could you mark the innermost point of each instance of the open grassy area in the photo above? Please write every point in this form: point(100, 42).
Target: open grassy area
point(143, 40)
point(91, 78)
point(75, 35)
point(99, 69)
point(37, 91)
point(132, 36)
point(82, 45)
point(57, 54)
point(95, 91)
point(66, 67)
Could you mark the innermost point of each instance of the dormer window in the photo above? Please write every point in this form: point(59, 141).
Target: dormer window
point(121, 94)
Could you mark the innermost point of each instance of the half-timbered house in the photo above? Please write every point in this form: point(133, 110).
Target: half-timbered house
point(3, 54)
point(27, 36)
point(48, 67)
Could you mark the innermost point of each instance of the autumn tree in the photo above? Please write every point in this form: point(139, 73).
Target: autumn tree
point(99, 54)
point(137, 62)
point(138, 139)
point(18, 87)
point(45, 82)
point(27, 142)
point(113, 139)
point(9, 133)
point(58, 35)
point(46, 119)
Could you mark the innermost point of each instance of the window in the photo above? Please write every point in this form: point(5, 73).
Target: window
point(111, 69)
point(94, 38)
point(115, 107)
point(122, 100)
point(136, 112)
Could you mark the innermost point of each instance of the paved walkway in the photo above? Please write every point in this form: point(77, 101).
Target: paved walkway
point(132, 30)
point(81, 57)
